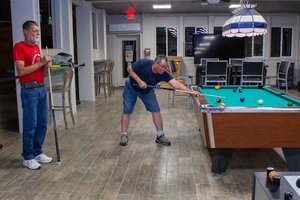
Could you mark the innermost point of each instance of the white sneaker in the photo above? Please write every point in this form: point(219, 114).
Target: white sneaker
point(42, 158)
point(31, 164)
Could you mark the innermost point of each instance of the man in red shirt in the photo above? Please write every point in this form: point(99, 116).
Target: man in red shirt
point(30, 66)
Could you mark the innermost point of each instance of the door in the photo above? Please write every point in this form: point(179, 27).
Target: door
point(128, 52)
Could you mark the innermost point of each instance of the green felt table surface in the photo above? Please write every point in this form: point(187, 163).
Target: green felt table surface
point(251, 95)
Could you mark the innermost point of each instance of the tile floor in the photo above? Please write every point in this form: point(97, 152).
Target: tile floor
point(94, 166)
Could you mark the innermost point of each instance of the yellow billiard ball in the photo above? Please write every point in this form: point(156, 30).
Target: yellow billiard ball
point(222, 104)
point(260, 101)
point(217, 87)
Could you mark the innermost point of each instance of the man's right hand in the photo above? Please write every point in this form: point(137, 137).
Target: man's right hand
point(46, 61)
point(142, 84)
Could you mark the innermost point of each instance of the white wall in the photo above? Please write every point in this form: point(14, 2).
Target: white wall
point(21, 11)
point(150, 22)
point(85, 51)
point(289, 21)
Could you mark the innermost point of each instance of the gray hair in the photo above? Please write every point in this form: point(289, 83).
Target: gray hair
point(160, 57)
point(28, 24)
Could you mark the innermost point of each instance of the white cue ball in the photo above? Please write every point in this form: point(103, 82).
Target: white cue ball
point(260, 101)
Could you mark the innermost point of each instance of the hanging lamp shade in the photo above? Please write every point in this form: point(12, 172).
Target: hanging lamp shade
point(247, 22)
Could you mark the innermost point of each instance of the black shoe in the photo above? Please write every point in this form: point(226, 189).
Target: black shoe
point(124, 140)
point(163, 140)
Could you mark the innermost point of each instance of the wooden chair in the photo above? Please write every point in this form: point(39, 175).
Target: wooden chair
point(110, 73)
point(63, 89)
point(98, 74)
point(175, 70)
point(103, 78)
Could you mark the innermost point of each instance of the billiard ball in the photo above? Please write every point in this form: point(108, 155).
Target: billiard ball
point(290, 104)
point(234, 89)
point(240, 89)
point(242, 99)
point(217, 87)
point(260, 101)
point(222, 105)
point(219, 100)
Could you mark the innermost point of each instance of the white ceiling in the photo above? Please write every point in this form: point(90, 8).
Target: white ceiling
point(194, 6)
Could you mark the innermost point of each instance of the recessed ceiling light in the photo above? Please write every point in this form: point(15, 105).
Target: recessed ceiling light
point(213, 1)
point(162, 6)
point(235, 5)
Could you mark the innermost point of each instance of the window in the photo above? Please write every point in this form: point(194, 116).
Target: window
point(46, 24)
point(281, 42)
point(172, 41)
point(166, 40)
point(161, 47)
point(94, 31)
point(286, 42)
point(248, 46)
point(189, 34)
point(254, 46)
point(258, 43)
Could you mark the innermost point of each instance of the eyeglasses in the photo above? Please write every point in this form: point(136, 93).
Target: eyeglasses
point(162, 66)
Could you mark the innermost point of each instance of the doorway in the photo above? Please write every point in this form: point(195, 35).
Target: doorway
point(75, 54)
point(128, 52)
point(9, 120)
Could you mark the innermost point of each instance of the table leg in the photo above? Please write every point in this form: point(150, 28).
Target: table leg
point(292, 157)
point(220, 159)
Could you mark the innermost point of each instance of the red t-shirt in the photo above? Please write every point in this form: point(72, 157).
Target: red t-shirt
point(30, 55)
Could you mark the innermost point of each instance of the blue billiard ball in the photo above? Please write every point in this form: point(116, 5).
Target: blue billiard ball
point(242, 99)
point(234, 89)
point(240, 89)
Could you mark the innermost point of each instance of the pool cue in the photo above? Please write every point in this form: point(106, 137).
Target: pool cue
point(182, 91)
point(53, 114)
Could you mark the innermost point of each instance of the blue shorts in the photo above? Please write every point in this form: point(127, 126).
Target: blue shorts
point(130, 96)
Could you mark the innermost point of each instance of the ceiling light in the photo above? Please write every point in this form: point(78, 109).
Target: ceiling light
point(162, 6)
point(235, 6)
point(213, 1)
point(247, 22)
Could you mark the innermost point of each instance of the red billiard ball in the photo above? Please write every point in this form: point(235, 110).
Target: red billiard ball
point(219, 100)
point(242, 99)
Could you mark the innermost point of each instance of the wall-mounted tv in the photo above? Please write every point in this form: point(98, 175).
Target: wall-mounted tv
point(216, 46)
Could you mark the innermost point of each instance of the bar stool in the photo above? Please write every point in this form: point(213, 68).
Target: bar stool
point(110, 70)
point(105, 79)
point(63, 89)
point(97, 76)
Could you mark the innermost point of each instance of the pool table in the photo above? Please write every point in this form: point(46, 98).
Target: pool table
point(248, 124)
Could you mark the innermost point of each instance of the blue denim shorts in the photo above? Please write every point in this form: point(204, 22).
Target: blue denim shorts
point(130, 96)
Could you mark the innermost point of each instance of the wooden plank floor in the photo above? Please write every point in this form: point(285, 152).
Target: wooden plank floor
point(94, 166)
